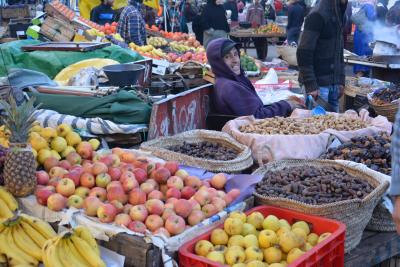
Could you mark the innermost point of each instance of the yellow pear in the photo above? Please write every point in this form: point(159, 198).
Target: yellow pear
point(271, 222)
point(233, 226)
point(219, 237)
point(43, 155)
point(220, 248)
point(216, 256)
point(267, 238)
point(250, 241)
point(38, 143)
point(36, 128)
point(272, 255)
point(248, 229)
point(34, 153)
point(73, 139)
point(255, 263)
point(55, 154)
point(240, 215)
point(59, 144)
point(256, 219)
point(95, 143)
point(294, 254)
point(254, 253)
point(303, 225)
point(236, 240)
point(323, 237)
point(289, 241)
point(203, 247)
point(312, 239)
point(63, 129)
point(48, 133)
point(300, 233)
point(284, 224)
point(33, 135)
point(234, 255)
point(68, 150)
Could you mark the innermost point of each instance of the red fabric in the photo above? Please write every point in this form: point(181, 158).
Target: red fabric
point(278, 6)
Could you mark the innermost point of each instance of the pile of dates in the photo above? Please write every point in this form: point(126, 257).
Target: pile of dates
point(313, 185)
point(303, 126)
point(373, 151)
point(386, 95)
point(206, 150)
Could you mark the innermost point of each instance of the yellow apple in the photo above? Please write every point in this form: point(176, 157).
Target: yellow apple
point(272, 255)
point(267, 238)
point(250, 241)
point(203, 247)
point(254, 253)
point(323, 237)
point(294, 254)
point(289, 241)
point(219, 237)
point(233, 226)
point(306, 247)
point(256, 219)
point(248, 229)
point(271, 222)
point(282, 230)
point(300, 233)
point(240, 215)
point(220, 248)
point(216, 256)
point(236, 240)
point(312, 239)
point(284, 223)
point(303, 225)
point(234, 254)
point(255, 263)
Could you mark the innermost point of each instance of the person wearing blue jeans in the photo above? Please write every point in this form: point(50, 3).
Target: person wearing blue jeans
point(331, 94)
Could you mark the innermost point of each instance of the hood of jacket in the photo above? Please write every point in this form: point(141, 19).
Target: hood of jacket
point(216, 60)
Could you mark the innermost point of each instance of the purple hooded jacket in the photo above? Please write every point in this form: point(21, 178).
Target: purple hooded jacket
point(234, 94)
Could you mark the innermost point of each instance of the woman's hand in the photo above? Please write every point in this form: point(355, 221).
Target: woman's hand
point(296, 102)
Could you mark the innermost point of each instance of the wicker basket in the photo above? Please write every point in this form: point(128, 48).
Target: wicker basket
point(288, 53)
point(158, 147)
point(381, 220)
point(387, 110)
point(354, 213)
point(353, 90)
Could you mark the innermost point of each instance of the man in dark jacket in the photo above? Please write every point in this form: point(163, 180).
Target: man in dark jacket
point(103, 13)
point(131, 25)
point(381, 10)
point(393, 15)
point(296, 14)
point(234, 94)
point(320, 52)
point(232, 6)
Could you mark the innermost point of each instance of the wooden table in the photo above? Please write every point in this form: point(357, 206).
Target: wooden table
point(260, 41)
point(374, 249)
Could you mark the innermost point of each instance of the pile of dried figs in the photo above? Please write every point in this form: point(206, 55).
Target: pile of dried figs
point(206, 150)
point(386, 95)
point(303, 126)
point(373, 151)
point(313, 185)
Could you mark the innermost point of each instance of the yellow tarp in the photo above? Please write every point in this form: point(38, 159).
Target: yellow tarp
point(65, 74)
point(86, 6)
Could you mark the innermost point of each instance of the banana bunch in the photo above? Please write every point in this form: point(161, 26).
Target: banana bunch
point(180, 47)
point(95, 32)
point(4, 136)
point(158, 52)
point(157, 41)
point(76, 248)
point(22, 239)
point(8, 204)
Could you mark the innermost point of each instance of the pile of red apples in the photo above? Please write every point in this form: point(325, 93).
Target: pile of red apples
point(118, 187)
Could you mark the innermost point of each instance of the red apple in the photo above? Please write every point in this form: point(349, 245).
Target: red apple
point(42, 177)
point(87, 180)
point(54, 181)
point(65, 164)
point(138, 213)
point(129, 183)
point(147, 187)
point(127, 157)
point(153, 222)
point(212, 192)
point(117, 193)
point(202, 197)
point(228, 199)
point(187, 192)
point(175, 182)
point(57, 172)
point(181, 173)
point(73, 158)
point(99, 167)
point(126, 167)
point(91, 204)
point(167, 213)
point(219, 203)
point(137, 227)
point(183, 208)
point(172, 166)
point(161, 175)
point(42, 194)
point(173, 193)
point(234, 193)
point(106, 213)
point(115, 173)
point(123, 219)
point(140, 175)
point(175, 224)
point(113, 184)
point(137, 196)
point(193, 181)
point(103, 179)
point(209, 210)
point(85, 150)
point(118, 205)
point(154, 206)
point(87, 167)
point(195, 204)
point(117, 151)
point(195, 217)
point(50, 162)
point(56, 202)
point(218, 181)
point(172, 200)
point(75, 201)
point(107, 159)
point(66, 187)
point(125, 175)
point(127, 208)
point(162, 231)
point(164, 188)
point(155, 195)
point(99, 192)
point(74, 175)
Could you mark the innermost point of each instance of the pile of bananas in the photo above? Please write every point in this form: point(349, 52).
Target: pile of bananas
point(76, 248)
point(176, 46)
point(22, 239)
point(148, 50)
point(95, 32)
point(157, 41)
point(4, 136)
point(8, 204)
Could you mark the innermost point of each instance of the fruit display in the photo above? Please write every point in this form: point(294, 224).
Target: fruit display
point(157, 41)
point(255, 240)
point(117, 186)
point(386, 95)
point(313, 185)
point(8, 204)
point(248, 63)
point(176, 36)
point(206, 150)
point(182, 47)
point(148, 51)
point(72, 248)
point(269, 28)
point(373, 151)
point(20, 164)
point(200, 57)
point(303, 126)
point(22, 239)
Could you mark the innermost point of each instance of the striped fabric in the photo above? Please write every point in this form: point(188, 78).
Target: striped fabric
point(50, 118)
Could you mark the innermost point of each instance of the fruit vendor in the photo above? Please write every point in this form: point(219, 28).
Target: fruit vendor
point(131, 25)
point(234, 94)
point(103, 13)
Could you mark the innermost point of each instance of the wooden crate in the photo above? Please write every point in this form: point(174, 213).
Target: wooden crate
point(137, 252)
point(57, 30)
point(53, 12)
point(19, 11)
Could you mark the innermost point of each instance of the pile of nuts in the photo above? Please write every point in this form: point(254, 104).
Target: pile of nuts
point(206, 150)
point(386, 95)
point(304, 126)
point(373, 151)
point(313, 185)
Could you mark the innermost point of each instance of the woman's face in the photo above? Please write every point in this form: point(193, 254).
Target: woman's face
point(232, 60)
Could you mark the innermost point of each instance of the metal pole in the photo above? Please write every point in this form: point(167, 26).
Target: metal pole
point(165, 15)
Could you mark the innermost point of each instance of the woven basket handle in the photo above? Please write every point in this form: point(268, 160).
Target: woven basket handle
point(262, 151)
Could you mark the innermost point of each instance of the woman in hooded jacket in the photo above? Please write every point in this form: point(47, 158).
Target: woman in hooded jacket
point(234, 94)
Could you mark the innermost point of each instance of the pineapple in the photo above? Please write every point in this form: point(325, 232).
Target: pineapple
point(20, 163)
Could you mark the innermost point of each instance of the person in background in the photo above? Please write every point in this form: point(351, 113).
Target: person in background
point(240, 6)
point(214, 21)
point(131, 25)
point(296, 14)
point(278, 7)
point(381, 11)
point(269, 13)
point(234, 94)
point(232, 6)
point(362, 37)
point(150, 16)
point(320, 52)
point(393, 15)
point(348, 25)
point(190, 11)
point(197, 25)
point(255, 14)
point(173, 23)
point(103, 13)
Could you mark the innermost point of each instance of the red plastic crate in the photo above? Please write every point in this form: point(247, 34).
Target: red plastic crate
point(328, 253)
